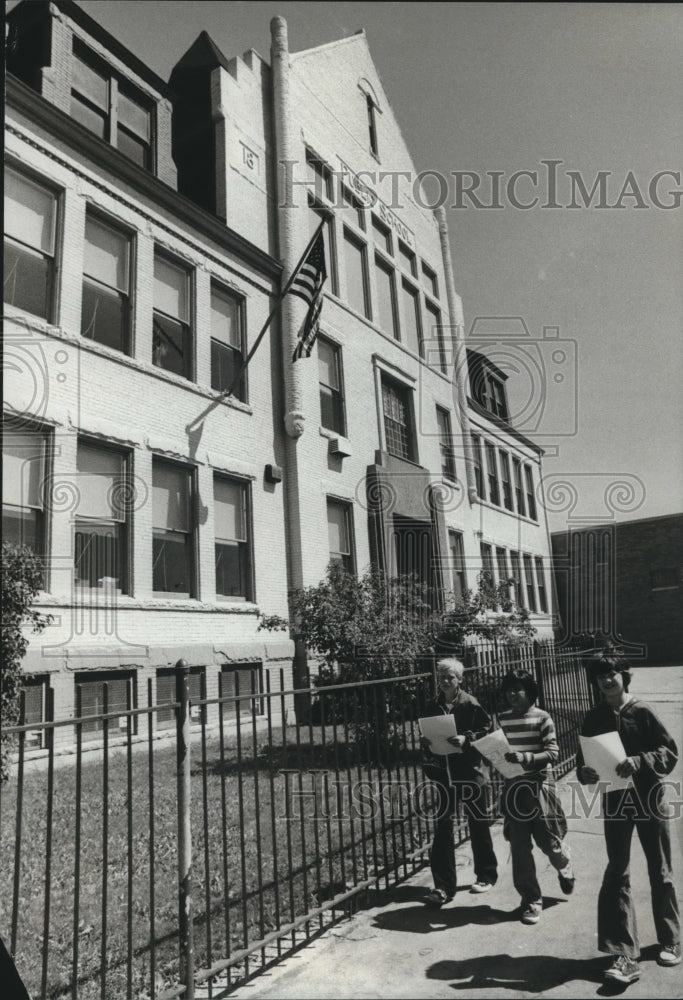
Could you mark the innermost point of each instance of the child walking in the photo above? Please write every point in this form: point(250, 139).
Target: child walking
point(530, 805)
point(652, 754)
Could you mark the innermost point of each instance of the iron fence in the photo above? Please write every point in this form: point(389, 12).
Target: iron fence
point(159, 869)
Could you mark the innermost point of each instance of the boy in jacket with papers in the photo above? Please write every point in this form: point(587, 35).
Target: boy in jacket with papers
point(459, 775)
point(651, 754)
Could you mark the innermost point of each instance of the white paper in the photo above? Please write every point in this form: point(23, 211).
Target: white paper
point(437, 729)
point(494, 746)
point(603, 753)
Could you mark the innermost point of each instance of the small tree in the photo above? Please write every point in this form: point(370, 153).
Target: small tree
point(21, 581)
point(486, 613)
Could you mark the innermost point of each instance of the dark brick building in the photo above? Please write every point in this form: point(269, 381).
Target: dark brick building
point(624, 580)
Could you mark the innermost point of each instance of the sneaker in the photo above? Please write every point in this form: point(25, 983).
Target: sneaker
point(481, 886)
point(670, 954)
point(567, 879)
point(531, 913)
point(623, 970)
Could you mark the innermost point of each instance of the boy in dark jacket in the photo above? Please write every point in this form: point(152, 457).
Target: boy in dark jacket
point(462, 776)
point(651, 755)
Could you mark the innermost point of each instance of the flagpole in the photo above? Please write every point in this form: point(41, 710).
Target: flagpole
point(245, 361)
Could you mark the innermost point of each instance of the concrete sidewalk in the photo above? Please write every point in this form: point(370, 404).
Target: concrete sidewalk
point(476, 945)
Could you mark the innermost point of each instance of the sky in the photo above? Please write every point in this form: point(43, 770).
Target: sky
point(493, 89)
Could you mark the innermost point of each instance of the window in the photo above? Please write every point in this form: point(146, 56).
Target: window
point(478, 466)
point(429, 280)
point(411, 319)
point(502, 564)
point(231, 516)
point(434, 334)
point(319, 176)
point(315, 217)
point(519, 490)
point(443, 419)
point(530, 495)
point(241, 679)
point(100, 528)
point(494, 489)
point(664, 579)
point(488, 578)
point(540, 584)
point(387, 314)
point(166, 696)
point(353, 210)
point(36, 689)
point(407, 259)
point(106, 285)
point(356, 274)
point(505, 479)
point(113, 109)
point(29, 262)
point(382, 235)
point(227, 342)
point(340, 534)
point(517, 578)
point(104, 692)
point(458, 562)
point(331, 386)
point(530, 589)
point(372, 125)
point(398, 426)
point(23, 478)
point(172, 340)
point(488, 385)
point(173, 534)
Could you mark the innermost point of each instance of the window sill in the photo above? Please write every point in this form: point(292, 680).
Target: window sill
point(510, 513)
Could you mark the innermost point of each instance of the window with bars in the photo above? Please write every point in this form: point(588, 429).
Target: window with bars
point(107, 692)
point(457, 550)
point(243, 681)
point(227, 341)
point(331, 386)
point(23, 494)
point(106, 310)
point(492, 469)
point(112, 108)
point(166, 696)
point(30, 245)
point(100, 535)
point(340, 533)
point(231, 521)
point(172, 330)
point(173, 529)
point(530, 588)
point(398, 421)
point(443, 419)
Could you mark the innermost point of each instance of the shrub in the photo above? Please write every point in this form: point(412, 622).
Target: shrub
point(21, 581)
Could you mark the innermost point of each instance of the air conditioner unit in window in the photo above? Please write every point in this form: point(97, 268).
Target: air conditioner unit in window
point(340, 446)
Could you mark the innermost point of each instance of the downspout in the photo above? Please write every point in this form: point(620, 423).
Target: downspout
point(459, 352)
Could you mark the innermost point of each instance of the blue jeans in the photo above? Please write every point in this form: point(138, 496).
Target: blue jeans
point(442, 853)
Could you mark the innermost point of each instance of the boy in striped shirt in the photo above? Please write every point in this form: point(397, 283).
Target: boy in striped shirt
point(529, 803)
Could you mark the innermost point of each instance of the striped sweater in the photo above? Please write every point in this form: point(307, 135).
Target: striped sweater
point(532, 734)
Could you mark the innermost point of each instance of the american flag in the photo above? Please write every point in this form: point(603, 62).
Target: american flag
point(308, 284)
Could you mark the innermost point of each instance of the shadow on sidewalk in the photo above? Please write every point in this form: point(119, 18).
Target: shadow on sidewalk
point(423, 920)
point(532, 973)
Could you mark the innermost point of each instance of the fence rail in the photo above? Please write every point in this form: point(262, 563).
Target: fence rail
point(156, 869)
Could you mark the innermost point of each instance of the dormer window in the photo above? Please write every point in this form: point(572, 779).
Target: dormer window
point(112, 108)
point(488, 385)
